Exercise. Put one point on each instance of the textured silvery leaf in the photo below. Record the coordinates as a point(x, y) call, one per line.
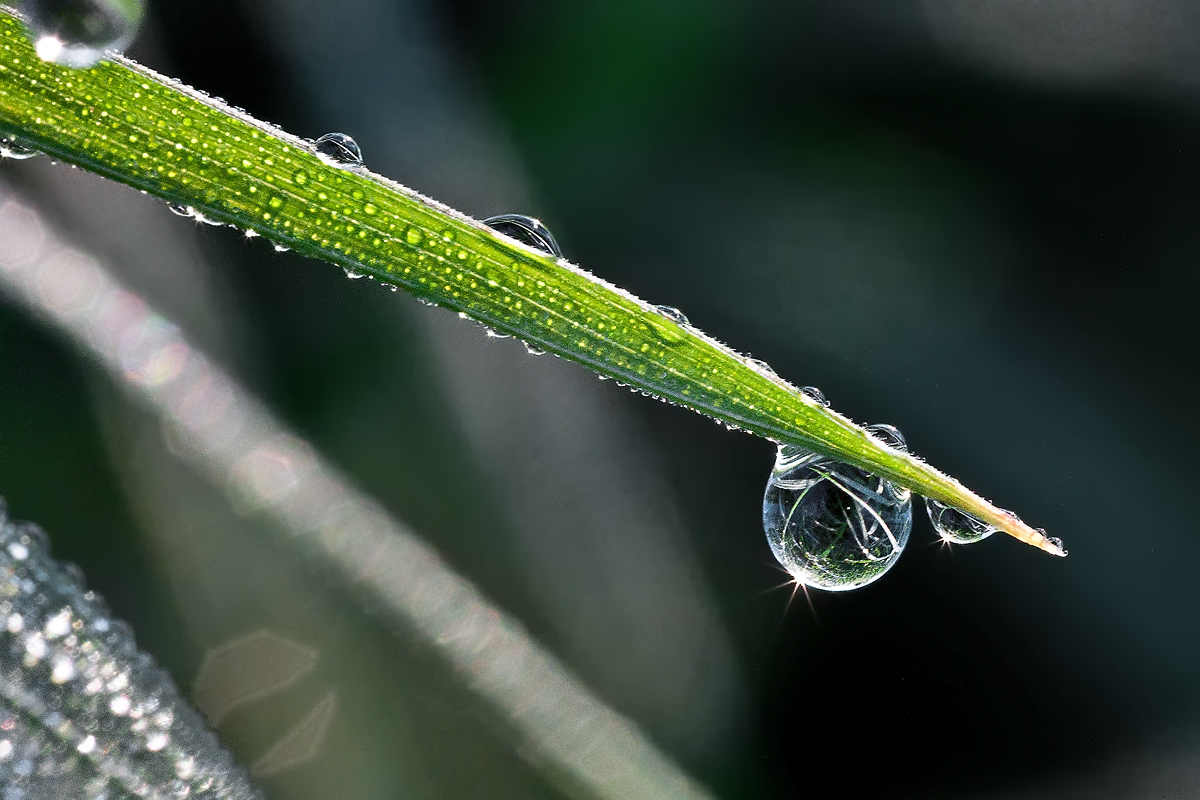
point(83, 713)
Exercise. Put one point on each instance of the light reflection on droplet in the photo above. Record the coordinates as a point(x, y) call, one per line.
point(526, 230)
point(78, 33)
point(340, 150)
point(954, 526)
point(833, 526)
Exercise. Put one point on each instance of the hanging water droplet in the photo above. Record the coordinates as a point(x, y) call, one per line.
point(494, 334)
point(340, 150)
point(352, 275)
point(181, 210)
point(16, 149)
point(525, 230)
point(833, 526)
point(673, 314)
point(77, 33)
point(815, 394)
point(954, 526)
point(1054, 540)
point(534, 351)
point(281, 248)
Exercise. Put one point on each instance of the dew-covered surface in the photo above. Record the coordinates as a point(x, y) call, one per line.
point(997, 257)
point(126, 122)
point(83, 713)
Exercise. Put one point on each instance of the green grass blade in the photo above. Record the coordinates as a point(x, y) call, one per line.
point(130, 124)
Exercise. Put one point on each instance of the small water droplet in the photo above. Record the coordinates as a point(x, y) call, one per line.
point(833, 526)
point(78, 33)
point(673, 314)
point(1057, 542)
point(181, 210)
point(525, 230)
point(16, 149)
point(340, 150)
point(815, 394)
point(954, 526)
point(281, 248)
point(534, 351)
point(352, 275)
point(493, 334)
point(761, 366)
point(889, 435)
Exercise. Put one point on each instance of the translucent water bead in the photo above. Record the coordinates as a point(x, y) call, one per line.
point(82, 712)
point(340, 150)
point(77, 33)
point(15, 149)
point(526, 230)
point(954, 526)
point(833, 526)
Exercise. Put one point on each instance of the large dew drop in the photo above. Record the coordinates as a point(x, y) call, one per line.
point(833, 526)
point(954, 526)
point(340, 150)
point(78, 33)
point(83, 713)
point(525, 230)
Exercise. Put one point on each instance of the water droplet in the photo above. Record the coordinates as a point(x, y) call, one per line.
point(281, 248)
point(352, 275)
point(16, 149)
point(181, 209)
point(954, 526)
point(673, 314)
point(340, 150)
point(1054, 540)
point(761, 366)
point(815, 394)
point(833, 526)
point(77, 33)
point(534, 351)
point(525, 230)
point(889, 435)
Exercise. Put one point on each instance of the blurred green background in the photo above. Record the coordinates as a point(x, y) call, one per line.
point(973, 221)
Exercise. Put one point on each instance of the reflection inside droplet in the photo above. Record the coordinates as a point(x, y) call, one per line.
point(833, 526)
point(815, 394)
point(77, 33)
point(340, 150)
point(673, 314)
point(15, 149)
point(954, 526)
point(525, 230)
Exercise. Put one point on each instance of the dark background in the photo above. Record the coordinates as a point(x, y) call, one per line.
point(974, 221)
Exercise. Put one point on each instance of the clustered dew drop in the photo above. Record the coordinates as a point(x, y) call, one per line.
point(78, 33)
point(339, 150)
point(83, 713)
point(526, 230)
point(16, 149)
